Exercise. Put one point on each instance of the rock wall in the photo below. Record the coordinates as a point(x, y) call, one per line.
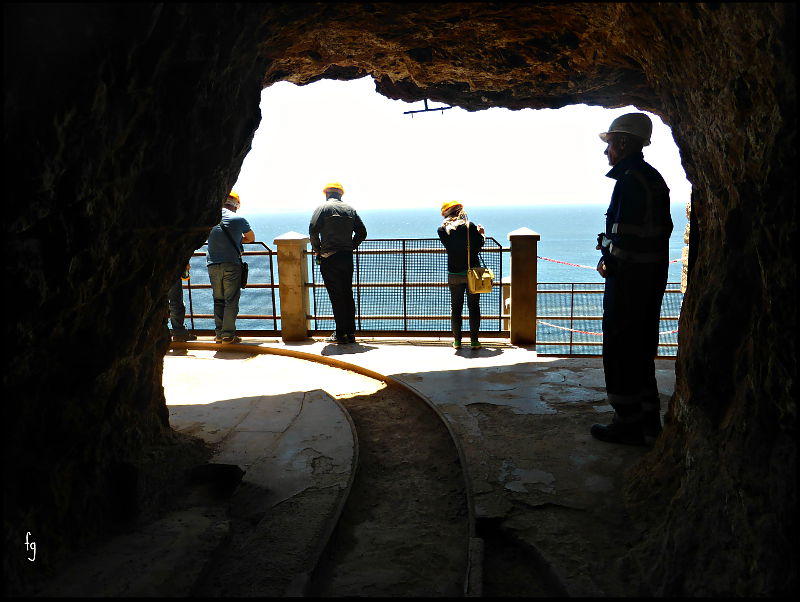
point(125, 125)
point(124, 128)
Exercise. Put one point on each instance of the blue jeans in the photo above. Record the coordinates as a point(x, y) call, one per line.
point(226, 281)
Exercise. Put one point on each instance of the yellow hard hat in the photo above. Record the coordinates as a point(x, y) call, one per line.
point(233, 195)
point(448, 205)
point(331, 185)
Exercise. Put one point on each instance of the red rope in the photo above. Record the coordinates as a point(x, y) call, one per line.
point(597, 334)
point(577, 265)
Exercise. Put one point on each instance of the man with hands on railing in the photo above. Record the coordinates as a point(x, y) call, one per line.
point(634, 263)
point(335, 231)
point(225, 267)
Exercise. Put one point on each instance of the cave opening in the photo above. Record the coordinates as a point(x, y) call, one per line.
point(538, 168)
point(348, 131)
point(160, 101)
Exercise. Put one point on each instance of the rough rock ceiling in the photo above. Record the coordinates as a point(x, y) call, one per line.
point(475, 55)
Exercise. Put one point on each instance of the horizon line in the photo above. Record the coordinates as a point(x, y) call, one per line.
point(436, 208)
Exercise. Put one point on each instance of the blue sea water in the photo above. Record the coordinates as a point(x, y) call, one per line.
point(568, 232)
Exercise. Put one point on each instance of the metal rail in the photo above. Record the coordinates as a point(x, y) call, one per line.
point(255, 269)
point(400, 289)
point(398, 281)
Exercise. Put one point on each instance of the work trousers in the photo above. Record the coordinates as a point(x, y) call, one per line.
point(226, 280)
point(458, 287)
point(337, 273)
point(631, 311)
point(177, 310)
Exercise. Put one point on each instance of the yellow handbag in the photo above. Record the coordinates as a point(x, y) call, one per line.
point(479, 279)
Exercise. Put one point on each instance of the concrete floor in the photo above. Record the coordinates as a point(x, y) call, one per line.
point(521, 422)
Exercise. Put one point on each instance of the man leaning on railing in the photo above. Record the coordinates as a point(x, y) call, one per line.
point(224, 260)
point(335, 232)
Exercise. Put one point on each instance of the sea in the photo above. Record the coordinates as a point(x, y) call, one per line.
point(566, 255)
point(568, 232)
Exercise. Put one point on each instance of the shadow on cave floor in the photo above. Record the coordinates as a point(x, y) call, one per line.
point(544, 496)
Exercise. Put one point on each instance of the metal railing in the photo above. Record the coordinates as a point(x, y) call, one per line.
point(400, 288)
point(258, 302)
point(569, 318)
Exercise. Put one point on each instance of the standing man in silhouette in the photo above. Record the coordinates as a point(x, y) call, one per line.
point(634, 263)
point(335, 231)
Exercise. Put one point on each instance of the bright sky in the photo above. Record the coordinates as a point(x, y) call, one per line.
point(333, 131)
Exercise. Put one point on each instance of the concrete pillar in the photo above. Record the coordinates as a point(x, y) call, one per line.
point(292, 278)
point(524, 251)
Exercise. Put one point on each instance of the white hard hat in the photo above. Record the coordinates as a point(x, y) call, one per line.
point(637, 124)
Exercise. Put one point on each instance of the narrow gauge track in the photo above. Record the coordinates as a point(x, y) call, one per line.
point(404, 530)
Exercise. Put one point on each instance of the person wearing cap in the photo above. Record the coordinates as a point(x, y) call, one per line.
point(453, 233)
point(224, 264)
point(335, 231)
point(634, 262)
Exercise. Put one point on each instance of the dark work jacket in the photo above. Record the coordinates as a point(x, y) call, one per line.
point(638, 222)
point(335, 226)
point(456, 245)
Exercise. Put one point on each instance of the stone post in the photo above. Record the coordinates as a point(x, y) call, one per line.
point(524, 246)
point(292, 278)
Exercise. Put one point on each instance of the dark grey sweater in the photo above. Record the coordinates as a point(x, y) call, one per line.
point(335, 226)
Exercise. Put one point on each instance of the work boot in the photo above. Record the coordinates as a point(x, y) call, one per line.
point(619, 432)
